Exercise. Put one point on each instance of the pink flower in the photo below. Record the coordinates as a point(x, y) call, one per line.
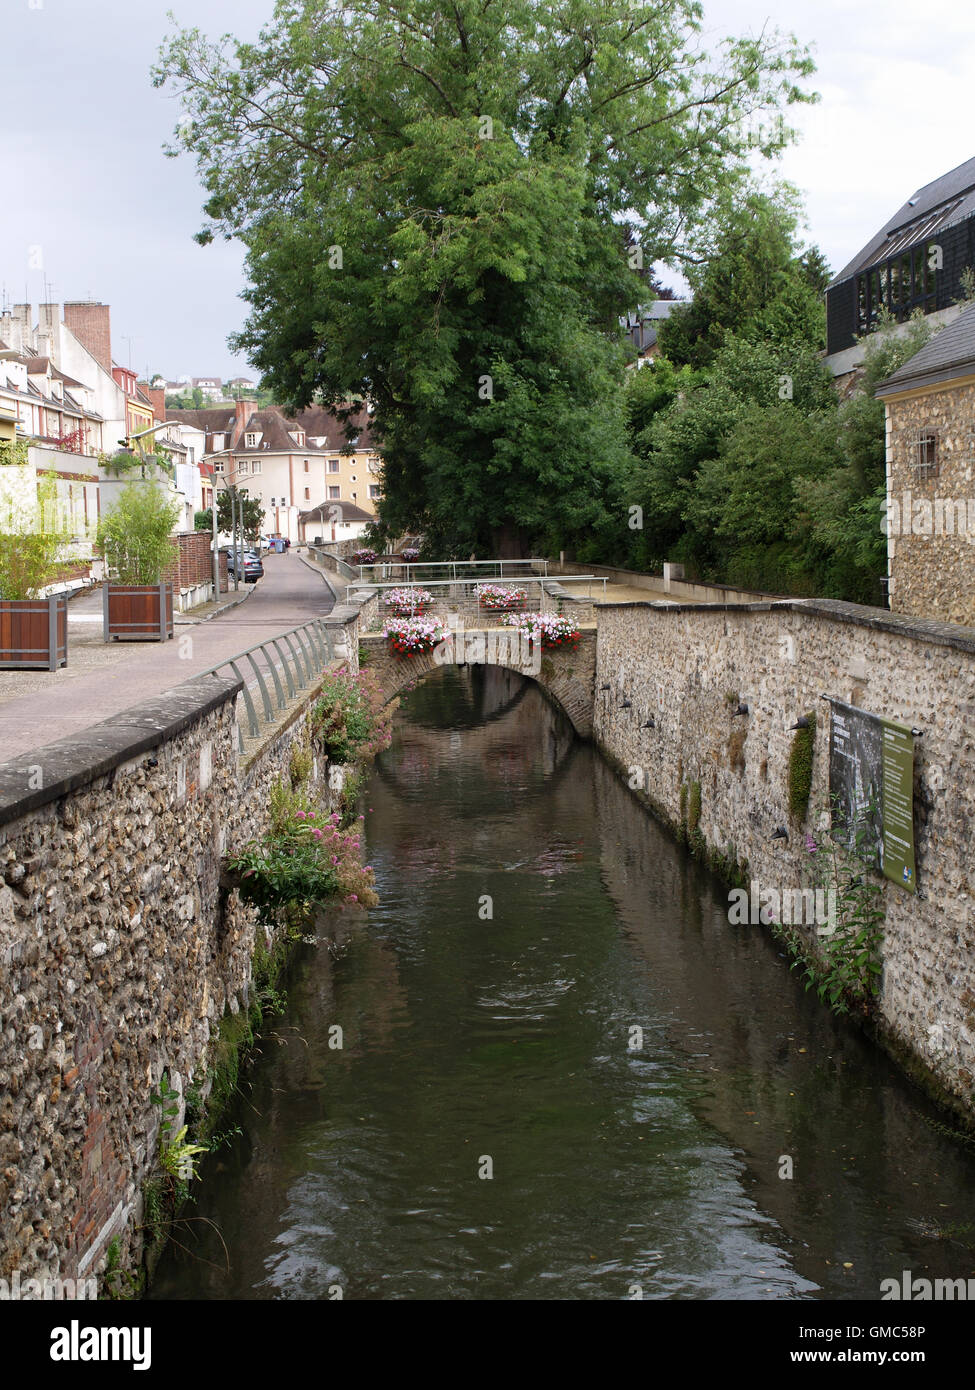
point(353, 898)
point(317, 834)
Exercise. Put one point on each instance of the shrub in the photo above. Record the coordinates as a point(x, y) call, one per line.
point(29, 549)
point(136, 535)
point(309, 859)
point(349, 720)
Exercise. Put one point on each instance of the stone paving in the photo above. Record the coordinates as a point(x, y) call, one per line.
point(103, 679)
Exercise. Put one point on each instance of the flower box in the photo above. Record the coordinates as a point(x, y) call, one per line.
point(501, 598)
point(34, 633)
point(552, 630)
point(137, 612)
point(413, 636)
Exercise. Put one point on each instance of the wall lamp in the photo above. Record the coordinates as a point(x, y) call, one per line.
point(801, 723)
point(781, 833)
point(649, 722)
point(742, 709)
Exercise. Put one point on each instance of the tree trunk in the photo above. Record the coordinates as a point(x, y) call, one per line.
point(508, 542)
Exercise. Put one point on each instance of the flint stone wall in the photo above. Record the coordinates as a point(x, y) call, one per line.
point(119, 954)
point(688, 668)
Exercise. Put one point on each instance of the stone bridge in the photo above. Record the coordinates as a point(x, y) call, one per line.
point(567, 677)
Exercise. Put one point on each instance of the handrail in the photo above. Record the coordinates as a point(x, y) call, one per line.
point(312, 645)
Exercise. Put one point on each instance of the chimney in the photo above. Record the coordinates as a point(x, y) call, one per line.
point(49, 319)
point(6, 327)
point(157, 394)
point(242, 413)
point(91, 325)
point(22, 333)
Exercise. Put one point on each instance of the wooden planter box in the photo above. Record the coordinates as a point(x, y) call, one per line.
point(138, 612)
point(34, 633)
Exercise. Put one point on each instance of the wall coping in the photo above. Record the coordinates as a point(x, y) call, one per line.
point(76, 761)
point(837, 610)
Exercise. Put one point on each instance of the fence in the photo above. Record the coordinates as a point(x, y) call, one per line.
point(310, 647)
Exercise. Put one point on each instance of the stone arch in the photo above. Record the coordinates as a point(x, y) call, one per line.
point(567, 677)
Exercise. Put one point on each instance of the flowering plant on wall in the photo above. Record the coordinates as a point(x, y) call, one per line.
point(413, 636)
point(551, 629)
point(410, 553)
point(500, 598)
point(405, 602)
point(363, 557)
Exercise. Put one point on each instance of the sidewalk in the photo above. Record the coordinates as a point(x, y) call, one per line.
point(102, 679)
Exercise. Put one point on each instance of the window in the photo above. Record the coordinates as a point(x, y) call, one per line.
point(353, 496)
point(307, 494)
point(217, 443)
point(251, 441)
point(373, 490)
point(306, 465)
point(243, 466)
point(255, 465)
point(926, 455)
point(220, 467)
point(333, 465)
point(335, 492)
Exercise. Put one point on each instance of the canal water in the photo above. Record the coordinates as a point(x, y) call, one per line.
point(564, 1075)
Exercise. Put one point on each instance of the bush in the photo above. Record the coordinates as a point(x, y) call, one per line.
point(29, 550)
point(136, 535)
point(308, 859)
point(349, 720)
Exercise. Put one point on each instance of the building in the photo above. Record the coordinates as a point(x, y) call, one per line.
point(641, 325)
point(290, 465)
point(930, 412)
point(211, 386)
point(333, 520)
point(915, 261)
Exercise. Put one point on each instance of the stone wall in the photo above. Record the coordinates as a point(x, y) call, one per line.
point(120, 953)
point(566, 677)
point(931, 520)
point(687, 669)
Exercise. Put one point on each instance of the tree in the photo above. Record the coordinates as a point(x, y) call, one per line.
point(253, 514)
point(757, 284)
point(434, 206)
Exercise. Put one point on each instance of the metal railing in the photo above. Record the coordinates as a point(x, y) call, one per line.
point(492, 569)
point(465, 597)
point(310, 647)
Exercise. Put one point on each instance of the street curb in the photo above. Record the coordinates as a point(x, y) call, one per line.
point(321, 573)
point(180, 620)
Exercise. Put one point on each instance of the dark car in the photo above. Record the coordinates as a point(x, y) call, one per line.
point(252, 570)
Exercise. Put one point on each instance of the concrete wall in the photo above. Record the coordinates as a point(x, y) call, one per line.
point(119, 954)
point(688, 667)
point(662, 586)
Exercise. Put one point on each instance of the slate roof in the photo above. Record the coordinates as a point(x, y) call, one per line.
point(350, 511)
point(941, 203)
point(949, 354)
point(317, 422)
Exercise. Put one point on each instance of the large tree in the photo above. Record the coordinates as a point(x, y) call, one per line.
point(438, 202)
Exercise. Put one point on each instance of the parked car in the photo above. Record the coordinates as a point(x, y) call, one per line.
point(252, 566)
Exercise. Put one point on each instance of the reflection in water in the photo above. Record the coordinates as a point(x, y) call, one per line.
point(531, 918)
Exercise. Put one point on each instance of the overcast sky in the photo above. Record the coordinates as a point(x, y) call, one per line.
point(88, 194)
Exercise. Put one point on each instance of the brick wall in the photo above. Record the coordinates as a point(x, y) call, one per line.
point(194, 564)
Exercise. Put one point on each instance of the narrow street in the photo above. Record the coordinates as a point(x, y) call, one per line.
point(37, 707)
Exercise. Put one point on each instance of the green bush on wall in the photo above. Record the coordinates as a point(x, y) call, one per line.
point(800, 768)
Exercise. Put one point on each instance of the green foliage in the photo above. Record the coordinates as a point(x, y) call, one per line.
point(694, 814)
point(136, 534)
point(304, 858)
point(756, 284)
point(350, 719)
point(15, 452)
point(252, 521)
point(32, 540)
point(847, 974)
point(801, 767)
point(469, 279)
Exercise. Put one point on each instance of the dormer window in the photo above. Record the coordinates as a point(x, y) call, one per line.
point(251, 441)
point(217, 443)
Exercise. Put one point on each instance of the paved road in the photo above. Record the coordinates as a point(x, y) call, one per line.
point(37, 707)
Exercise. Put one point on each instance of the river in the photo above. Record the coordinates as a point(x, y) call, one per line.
point(563, 1073)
